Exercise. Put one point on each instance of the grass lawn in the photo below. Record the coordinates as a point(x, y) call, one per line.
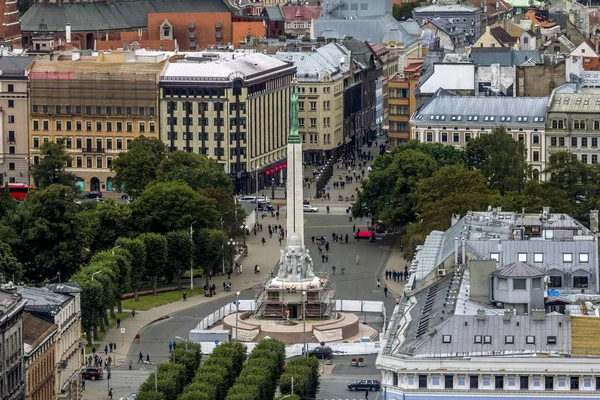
point(584, 335)
point(148, 302)
point(111, 322)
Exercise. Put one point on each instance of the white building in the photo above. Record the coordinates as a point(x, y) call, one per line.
point(454, 120)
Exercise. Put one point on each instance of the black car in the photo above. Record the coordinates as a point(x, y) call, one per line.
point(365, 384)
point(265, 207)
point(322, 352)
point(94, 194)
point(92, 373)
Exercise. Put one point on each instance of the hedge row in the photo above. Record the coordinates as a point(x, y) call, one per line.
point(305, 374)
point(217, 374)
point(258, 379)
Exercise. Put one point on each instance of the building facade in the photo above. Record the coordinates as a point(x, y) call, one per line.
point(298, 19)
point(454, 120)
point(467, 19)
point(12, 375)
point(96, 125)
point(233, 107)
point(573, 124)
point(60, 304)
point(321, 75)
point(14, 139)
point(40, 358)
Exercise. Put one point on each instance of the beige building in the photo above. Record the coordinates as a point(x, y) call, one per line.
point(95, 107)
point(14, 149)
point(232, 107)
point(321, 75)
point(39, 341)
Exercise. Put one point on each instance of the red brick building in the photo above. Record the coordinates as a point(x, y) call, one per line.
point(9, 21)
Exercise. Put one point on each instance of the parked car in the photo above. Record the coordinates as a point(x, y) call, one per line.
point(94, 194)
point(309, 208)
point(92, 373)
point(321, 352)
point(265, 207)
point(365, 384)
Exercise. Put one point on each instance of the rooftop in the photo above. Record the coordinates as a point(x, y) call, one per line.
point(122, 14)
point(520, 270)
point(15, 66)
point(42, 299)
point(301, 13)
point(64, 288)
point(82, 69)
point(273, 12)
point(564, 100)
point(504, 56)
point(35, 331)
point(331, 60)
point(222, 66)
point(452, 8)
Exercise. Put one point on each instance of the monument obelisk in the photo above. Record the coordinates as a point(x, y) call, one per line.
point(295, 197)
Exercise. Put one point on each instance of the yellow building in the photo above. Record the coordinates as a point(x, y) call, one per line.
point(402, 102)
point(497, 36)
point(95, 108)
point(39, 341)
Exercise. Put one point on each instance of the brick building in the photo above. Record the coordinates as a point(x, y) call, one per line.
point(39, 340)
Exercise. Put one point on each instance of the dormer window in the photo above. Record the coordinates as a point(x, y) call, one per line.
point(166, 30)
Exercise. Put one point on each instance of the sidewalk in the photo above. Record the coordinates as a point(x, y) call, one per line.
point(265, 256)
point(397, 263)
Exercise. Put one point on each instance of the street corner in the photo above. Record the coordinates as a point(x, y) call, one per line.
point(327, 369)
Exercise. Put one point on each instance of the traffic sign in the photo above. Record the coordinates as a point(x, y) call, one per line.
point(217, 341)
point(322, 343)
point(122, 330)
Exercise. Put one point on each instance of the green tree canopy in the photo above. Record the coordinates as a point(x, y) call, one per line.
point(138, 166)
point(179, 254)
point(51, 169)
point(137, 249)
point(105, 223)
point(208, 249)
point(198, 171)
point(10, 267)
point(156, 256)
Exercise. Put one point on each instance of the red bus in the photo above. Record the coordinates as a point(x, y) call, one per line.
point(18, 191)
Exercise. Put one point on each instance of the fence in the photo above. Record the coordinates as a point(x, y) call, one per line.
point(296, 349)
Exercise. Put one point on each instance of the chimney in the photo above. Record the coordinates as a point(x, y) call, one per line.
point(568, 316)
point(456, 250)
point(68, 33)
point(455, 219)
point(594, 221)
point(538, 315)
point(507, 315)
point(481, 315)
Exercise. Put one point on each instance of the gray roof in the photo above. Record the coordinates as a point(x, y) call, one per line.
point(482, 110)
point(452, 8)
point(274, 13)
point(42, 299)
point(411, 27)
point(15, 66)
point(104, 16)
point(313, 66)
point(568, 101)
point(64, 288)
point(505, 56)
point(520, 270)
point(373, 30)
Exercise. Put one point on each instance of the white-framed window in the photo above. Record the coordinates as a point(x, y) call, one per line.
point(446, 338)
point(519, 284)
point(522, 257)
point(584, 257)
point(538, 257)
point(502, 284)
point(477, 339)
point(509, 339)
point(530, 339)
point(495, 256)
point(487, 339)
point(567, 257)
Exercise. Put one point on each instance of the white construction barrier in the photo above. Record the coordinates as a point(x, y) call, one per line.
point(339, 349)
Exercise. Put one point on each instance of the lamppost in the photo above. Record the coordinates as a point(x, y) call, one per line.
point(244, 227)
point(183, 340)
point(97, 272)
point(237, 309)
point(304, 322)
point(192, 256)
point(231, 243)
point(222, 221)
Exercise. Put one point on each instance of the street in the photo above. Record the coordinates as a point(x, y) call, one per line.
point(335, 386)
point(358, 283)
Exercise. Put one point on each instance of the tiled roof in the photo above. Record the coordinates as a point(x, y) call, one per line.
point(300, 13)
point(520, 270)
point(15, 65)
point(502, 36)
point(35, 330)
point(104, 16)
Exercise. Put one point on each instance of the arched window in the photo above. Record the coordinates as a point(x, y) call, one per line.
point(596, 124)
point(554, 124)
point(536, 175)
point(561, 124)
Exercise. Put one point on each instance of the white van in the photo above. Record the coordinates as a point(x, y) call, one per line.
point(248, 199)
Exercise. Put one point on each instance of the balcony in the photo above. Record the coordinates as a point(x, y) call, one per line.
point(11, 140)
point(93, 150)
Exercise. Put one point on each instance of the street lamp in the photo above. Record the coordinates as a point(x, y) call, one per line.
point(192, 256)
point(155, 374)
point(231, 243)
point(97, 272)
point(304, 322)
point(183, 340)
point(237, 309)
point(244, 227)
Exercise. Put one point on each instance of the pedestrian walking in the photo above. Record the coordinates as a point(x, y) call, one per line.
point(105, 349)
point(326, 257)
point(147, 357)
point(110, 393)
point(83, 384)
point(378, 284)
point(400, 275)
point(312, 238)
point(118, 323)
point(110, 347)
point(170, 347)
point(346, 238)
point(132, 313)
point(385, 290)
point(357, 260)
point(354, 228)
point(367, 394)
point(184, 296)
point(333, 269)
point(322, 257)
point(141, 359)
point(263, 241)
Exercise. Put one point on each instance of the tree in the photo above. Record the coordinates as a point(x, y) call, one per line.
point(501, 159)
point(189, 354)
point(137, 167)
point(105, 223)
point(208, 249)
point(232, 216)
point(179, 254)
point(198, 171)
point(403, 12)
point(567, 173)
point(7, 203)
point(50, 229)
point(156, 256)
point(91, 297)
point(119, 261)
point(534, 198)
point(10, 267)
point(170, 206)
point(137, 249)
point(150, 395)
point(51, 169)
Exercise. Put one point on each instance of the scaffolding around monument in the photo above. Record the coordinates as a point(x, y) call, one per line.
point(274, 299)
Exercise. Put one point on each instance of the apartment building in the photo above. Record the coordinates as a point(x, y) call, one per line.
point(320, 76)
point(402, 102)
point(95, 108)
point(14, 148)
point(12, 376)
point(573, 123)
point(39, 341)
point(466, 18)
point(454, 120)
point(60, 304)
point(233, 107)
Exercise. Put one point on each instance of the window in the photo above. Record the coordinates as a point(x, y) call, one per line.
point(524, 382)
point(584, 142)
point(128, 109)
point(456, 137)
point(108, 126)
point(313, 122)
point(88, 125)
point(551, 340)
point(11, 104)
point(313, 106)
point(594, 142)
point(509, 339)
point(152, 127)
point(446, 338)
point(69, 125)
point(58, 125)
point(98, 162)
point(502, 284)
point(45, 124)
point(88, 162)
point(11, 149)
point(119, 127)
point(11, 166)
point(119, 144)
point(11, 87)
point(567, 257)
point(495, 256)
point(536, 156)
point(444, 137)
point(78, 143)
point(580, 281)
point(522, 257)
point(98, 126)
point(36, 125)
point(530, 339)
point(477, 339)
point(78, 110)
point(109, 144)
point(129, 127)
point(78, 125)
point(555, 281)
point(36, 143)
point(536, 283)
point(143, 127)
point(108, 162)
point(300, 106)
point(11, 119)
point(519, 284)
point(487, 339)
point(584, 257)
point(79, 162)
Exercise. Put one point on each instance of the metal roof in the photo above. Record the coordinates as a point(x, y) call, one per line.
point(313, 66)
point(15, 66)
point(373, 30)
point(274, 13)
point(42, 298)
point(482, 110)
point(575, 102)
point(520, 270)
point(91, 16)
point(452, 8)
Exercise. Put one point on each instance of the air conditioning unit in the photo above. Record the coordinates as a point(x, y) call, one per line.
point(441, 272)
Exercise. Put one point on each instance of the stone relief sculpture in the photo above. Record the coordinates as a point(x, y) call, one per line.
point(295, 263)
